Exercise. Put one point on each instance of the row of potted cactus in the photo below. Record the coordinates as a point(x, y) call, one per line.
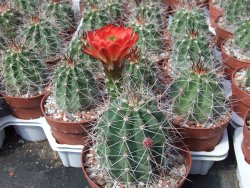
point(131, 123)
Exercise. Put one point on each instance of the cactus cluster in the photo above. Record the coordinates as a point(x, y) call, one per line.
point(197, 95)
point(62, 12)
point(188, 20)
point(132, 141)
point(23, 73)
point(43, 35)
point(74, 86)
point(26, 6)
point(242, 36)
point(236, 11)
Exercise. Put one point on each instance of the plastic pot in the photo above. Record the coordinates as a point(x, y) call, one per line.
point(201, 139)
point(215, 12)
point(183, 149)
point(240, 99)
point(246, 140)
point(221, 34)
point(231, 63)
point(25, 108)
point(68, 132)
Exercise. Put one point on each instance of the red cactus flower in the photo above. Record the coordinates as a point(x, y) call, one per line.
point(111, 44)
point(148, 142)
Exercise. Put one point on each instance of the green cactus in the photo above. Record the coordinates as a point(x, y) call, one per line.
point(75, 86)
point(131, 141)
point(248, 78)
point(26, 6)
point(23, 73)
point(186, 20)
point(197, 95)
point(43, 35)
point(61, 10)
point(96, 14)
point(236, 11)
point(191, 48)
point(242, 36)
point(9, 21)
point(75, 48)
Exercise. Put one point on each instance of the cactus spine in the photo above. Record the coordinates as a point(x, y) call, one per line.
point(22, 72)
point(131, 142)
point(74, 86)
point(242, 36)
point(197, 95)
point(43, 35)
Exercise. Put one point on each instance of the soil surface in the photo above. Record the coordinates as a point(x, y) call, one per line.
point(26, 164)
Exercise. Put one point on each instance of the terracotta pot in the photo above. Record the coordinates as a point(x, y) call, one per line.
point(177, 3)
point(246, 140)
point(25, 108)
point(202, 139)
point(231, 63)
point(240, 100)
point(215, 12)
point(221, 33)
point(183, 149)
point(68, 132)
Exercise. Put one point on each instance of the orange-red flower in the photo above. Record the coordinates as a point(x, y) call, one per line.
point(111, 44)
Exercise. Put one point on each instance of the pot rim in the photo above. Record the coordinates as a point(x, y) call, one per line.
point(33, 97)
point(184, 149)
point(57, 121)
point(218, 26)
point(223, 50)
point(233, 80)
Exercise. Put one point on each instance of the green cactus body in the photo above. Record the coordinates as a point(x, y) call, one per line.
point(191, 48)
point(22, 72)
point(197, 96)
point(248, 78)
point(242, 36)
point(143, 73)
point(62, 12)
point(44, 36)
point(75, 86)
point(186, 20)
point(132, 141)
point(9, 21)
point(75, 49)
point(150, 35)
point(26, 6)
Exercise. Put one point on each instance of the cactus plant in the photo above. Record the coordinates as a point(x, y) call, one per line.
point(131, 141)
point(74, 86)
point(186, 20)
point(191, 48)
point(9, 21)
point(26, 6)
point(23, 73)
point(43, 35)
point(63, 13)
point(197, 95)
point(242, 36)
point(248, 77)
point(236, 11)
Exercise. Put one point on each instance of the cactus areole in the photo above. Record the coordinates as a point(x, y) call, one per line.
point(112, 46)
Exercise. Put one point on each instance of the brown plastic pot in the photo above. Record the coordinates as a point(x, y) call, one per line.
point(231, 63)
point(201, 139)
point(177, 3)
point(25, 108)
point(246, 140)
point(215, 12)
point(68, 132)
point(240, 99)
point(183, 149)
point(221, 33)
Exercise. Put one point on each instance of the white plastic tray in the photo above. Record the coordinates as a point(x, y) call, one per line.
point(28, 129)
point(243, 168)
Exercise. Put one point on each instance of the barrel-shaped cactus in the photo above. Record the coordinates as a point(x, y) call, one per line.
point(62, 11)
point(74, 86)
point(191, 48)
point(43, 35)
point(186, 20)
point(236, 11)
point(197, 95)
point(131, 141)
point(26, 6)
point(23, 73)
point(9, 20)
point(242, 36)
